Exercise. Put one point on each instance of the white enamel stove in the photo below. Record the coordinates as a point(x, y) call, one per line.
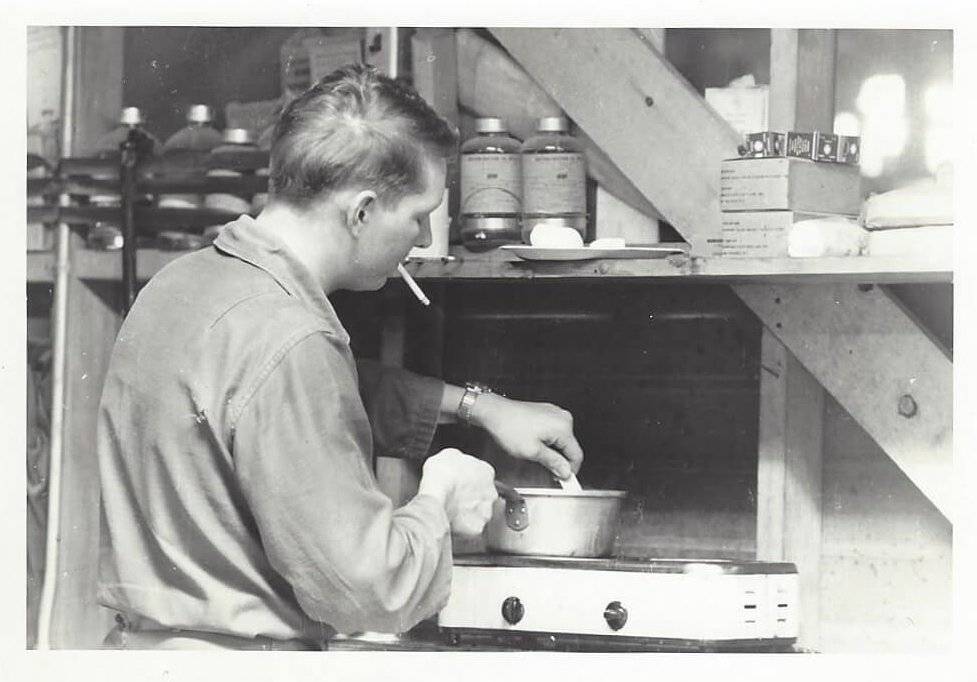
point(609, 604)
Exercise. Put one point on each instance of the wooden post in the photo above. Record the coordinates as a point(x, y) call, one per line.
point(789, 474)
point(78, 621)
point(802, 68)
point(790, 462)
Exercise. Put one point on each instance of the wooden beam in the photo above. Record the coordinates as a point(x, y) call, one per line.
point(77, 620)
point(434, 65)
point(492, 84)
point(802, 67)
point(635, 105)
point(873, 358)
point(789, 474)
point(613, 84)
point(99, 86)
point(434, 61)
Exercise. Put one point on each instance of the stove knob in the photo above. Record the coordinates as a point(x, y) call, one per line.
point(513, 610)
point(615, 615)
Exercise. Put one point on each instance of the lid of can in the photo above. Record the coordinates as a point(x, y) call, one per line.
point(130, 116)
point(199, 113)
point(553, 124)
point(490, 125)
point(237, 136)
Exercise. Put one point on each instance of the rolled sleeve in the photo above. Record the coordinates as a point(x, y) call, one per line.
point(403, 409)
point(302, 448)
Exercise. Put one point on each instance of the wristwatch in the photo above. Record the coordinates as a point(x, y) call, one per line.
point(472, 391)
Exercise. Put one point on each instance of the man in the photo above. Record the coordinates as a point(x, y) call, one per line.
point(236, 432)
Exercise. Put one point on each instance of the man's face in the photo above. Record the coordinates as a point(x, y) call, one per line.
point(392, 230)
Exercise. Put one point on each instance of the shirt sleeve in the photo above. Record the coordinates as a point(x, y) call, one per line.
point(403, 409)
point(302, 453)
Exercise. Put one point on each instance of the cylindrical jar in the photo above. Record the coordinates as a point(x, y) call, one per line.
point(554, 178)
point(491, 187)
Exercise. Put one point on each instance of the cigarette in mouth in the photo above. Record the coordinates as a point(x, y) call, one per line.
point(412, 285)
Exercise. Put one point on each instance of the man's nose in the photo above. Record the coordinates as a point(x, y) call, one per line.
point(424, 236)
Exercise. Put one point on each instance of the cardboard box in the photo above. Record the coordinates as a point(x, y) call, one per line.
point(743, 108)
point(758, 234)
point(785, 184)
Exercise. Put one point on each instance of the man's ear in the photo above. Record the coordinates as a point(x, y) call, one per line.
point(360, 210)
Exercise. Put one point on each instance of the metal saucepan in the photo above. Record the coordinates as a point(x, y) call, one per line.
point(554, 522)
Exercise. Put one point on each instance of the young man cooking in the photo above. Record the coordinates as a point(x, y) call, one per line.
point(236, 432)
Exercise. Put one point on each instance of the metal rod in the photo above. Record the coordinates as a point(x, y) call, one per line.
point(58, 368)
point(127, 174)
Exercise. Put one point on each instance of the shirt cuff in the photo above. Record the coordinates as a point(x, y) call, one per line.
point(425, 413)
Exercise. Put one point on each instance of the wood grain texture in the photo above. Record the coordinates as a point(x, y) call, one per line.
point(802, 67)
point(789, 474)
point(636, 106)
point(492, 84)
point(98, 90)
point(868, 353)
point(78, 621)
point(96, 265)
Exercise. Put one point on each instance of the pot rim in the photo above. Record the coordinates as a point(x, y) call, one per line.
point(560, 492)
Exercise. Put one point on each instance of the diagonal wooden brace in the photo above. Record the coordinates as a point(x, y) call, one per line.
point(860, 345)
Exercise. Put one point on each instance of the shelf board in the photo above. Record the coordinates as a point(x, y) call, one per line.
point(881, 270)
point(501, 265)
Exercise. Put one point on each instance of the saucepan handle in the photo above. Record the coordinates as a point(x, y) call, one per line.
point(516, 512)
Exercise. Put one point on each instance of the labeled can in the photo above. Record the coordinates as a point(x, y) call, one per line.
point(800, 145)
point(849, 148)
point(763, 145)
point(491, 187)
point(554, 179)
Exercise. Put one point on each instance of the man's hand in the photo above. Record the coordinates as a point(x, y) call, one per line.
point(464, 485)
point(538, 432)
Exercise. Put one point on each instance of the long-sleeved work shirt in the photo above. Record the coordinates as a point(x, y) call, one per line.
point(235, 443)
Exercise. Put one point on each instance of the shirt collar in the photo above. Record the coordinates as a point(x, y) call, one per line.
point(246, 240)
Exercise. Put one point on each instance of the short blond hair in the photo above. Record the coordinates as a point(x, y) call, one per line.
point(355, 127)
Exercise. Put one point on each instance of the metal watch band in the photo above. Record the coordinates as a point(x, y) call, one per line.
point(472, 391)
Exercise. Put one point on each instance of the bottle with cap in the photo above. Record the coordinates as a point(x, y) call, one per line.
point(130, 119)
point(554, 179)
point(491, 187)
point(109, 146)
point(234, 140)
point(198, 135)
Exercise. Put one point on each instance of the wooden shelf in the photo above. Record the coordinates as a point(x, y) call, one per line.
point(499, 265)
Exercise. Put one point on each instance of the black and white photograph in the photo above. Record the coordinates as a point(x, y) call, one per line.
point(593, 344)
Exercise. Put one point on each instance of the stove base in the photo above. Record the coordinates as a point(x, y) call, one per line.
point(464, 638)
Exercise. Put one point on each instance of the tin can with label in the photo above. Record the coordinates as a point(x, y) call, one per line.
point(765, 144)
point(849, 148)
point(800, 145)
point(826, 147)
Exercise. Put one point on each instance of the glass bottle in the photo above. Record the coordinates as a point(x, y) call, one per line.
point(554, 178)
point(491, 187)
point(199, 135)
point(107, 146)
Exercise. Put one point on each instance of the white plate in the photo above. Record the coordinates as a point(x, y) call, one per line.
point(587, 253)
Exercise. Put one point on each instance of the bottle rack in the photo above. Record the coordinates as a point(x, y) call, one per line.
point(68, 198)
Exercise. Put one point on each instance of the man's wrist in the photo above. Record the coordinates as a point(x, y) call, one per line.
point(483, 407)
point(474, 393)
